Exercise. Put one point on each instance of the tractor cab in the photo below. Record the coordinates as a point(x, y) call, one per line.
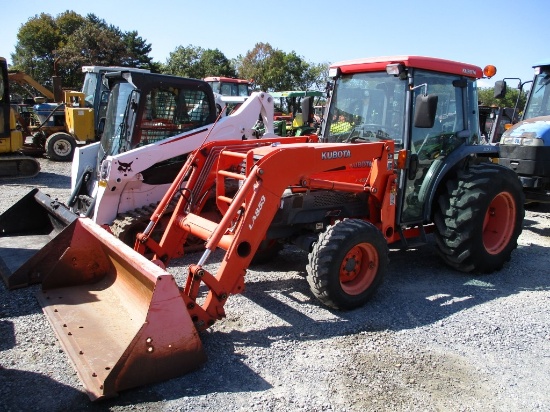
point(428, 107)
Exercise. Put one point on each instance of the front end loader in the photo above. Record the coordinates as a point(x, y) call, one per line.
point(411, 165)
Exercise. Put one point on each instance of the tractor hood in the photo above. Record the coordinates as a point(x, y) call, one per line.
point(524, 132)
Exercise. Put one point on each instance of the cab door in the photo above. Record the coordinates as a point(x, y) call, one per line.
point(430, 146)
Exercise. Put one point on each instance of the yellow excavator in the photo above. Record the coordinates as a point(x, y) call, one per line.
point(13, 163)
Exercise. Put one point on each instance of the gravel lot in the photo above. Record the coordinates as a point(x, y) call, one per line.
point(432, 339)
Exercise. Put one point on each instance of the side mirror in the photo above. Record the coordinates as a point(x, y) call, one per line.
point(425, 109)
point(500, 89)
point(307, 110)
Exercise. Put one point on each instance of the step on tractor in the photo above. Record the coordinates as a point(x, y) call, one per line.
point(13, 162)
point(525, 146)
point(410, 165)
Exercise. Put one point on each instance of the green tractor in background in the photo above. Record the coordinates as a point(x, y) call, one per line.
point(288, 120)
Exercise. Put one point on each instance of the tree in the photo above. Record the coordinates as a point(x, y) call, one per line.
point(486, 98)
point(275, 70)
point(36, 40)
point(90, 45)
point(197, 63)
point(184, 61)
point(257, 64)
point(214, 63)
point(138, 51)
point(68, 41)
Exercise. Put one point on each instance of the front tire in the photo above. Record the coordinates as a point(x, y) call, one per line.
point(479, 218)
point(60, 146)
point(347, 264)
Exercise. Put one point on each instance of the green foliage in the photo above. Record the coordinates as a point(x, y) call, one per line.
point(198, 63)
point(486, 98)
point(61, 45)
point(275, 70)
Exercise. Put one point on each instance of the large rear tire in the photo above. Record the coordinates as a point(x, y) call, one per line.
point(347, 264)
point(60, 146)
point(479, 218)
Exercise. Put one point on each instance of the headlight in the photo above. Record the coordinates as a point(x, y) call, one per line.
point(530, 141)
point(526, 139)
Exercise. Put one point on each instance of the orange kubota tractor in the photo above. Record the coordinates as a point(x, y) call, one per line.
point(410, 164)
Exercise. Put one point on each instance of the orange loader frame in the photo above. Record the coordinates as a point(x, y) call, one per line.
point(122, 318)
point(247, 215)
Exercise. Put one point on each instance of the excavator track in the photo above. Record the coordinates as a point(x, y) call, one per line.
point(18, 167)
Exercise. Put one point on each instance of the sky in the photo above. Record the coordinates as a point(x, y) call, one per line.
point(511, 35)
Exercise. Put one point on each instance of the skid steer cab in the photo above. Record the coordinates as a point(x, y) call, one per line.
point(407, 163)
point(149, 126)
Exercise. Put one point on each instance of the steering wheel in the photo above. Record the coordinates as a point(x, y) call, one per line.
point(374, 131)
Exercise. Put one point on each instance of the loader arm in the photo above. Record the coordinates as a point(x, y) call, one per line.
point(24, 80)
point(251, 210)
point(195, 182)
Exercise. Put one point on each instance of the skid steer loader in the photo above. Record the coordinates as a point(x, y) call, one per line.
point(151, 123)
point(412, 164)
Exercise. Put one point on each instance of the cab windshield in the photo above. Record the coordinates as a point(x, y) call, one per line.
point(230, 88)
point(539, 100)
point(114, 118)
point(89, 88)
point(366, 107)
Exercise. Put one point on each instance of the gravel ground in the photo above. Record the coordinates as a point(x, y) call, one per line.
point(431, 339)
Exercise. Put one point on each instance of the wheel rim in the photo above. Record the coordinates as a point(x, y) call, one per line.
point(499, 222)
point(359, 268)
point(62, 148)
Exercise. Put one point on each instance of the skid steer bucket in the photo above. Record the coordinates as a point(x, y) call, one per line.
point(121, 319)
point(26, 232)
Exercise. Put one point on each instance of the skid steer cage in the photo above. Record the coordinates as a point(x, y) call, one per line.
point(31, 230)
point(121, 319)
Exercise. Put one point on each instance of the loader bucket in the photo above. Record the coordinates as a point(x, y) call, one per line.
point(26, 232)
point(121, 319)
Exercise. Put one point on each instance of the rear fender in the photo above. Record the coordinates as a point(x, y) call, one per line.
point(440, 168)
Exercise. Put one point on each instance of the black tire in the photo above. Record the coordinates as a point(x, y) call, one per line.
point(60, 146)
point(349, 242)
point(479, 218)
